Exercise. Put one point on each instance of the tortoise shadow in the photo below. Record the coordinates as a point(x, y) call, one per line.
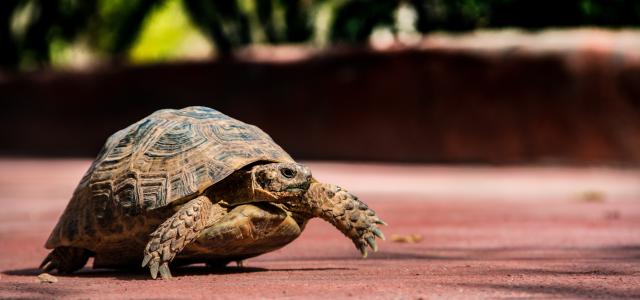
point(139, 274)
point(629, 253)
point(143, 274)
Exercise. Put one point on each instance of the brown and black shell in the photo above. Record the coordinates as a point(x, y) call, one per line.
point(169, 156)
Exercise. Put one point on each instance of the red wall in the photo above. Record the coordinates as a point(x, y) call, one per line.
point(410, 105)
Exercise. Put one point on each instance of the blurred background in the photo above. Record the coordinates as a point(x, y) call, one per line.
point(500, 139)
point(428, 81)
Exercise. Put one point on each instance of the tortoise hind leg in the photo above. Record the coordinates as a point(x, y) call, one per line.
point(174, 234)
point(65, 259)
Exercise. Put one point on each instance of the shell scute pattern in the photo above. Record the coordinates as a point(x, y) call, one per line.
point(152, 190)
point(233, 132)
point(172, 154)
point(198, 112)
point(176, 140)
point(125, 142)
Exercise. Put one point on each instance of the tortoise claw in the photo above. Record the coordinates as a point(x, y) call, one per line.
point(363, 250)
point(46, 262)
point(372, 243)
point(378, 233)
point(165, 273)
point(146, 260)
point(50, 267)
point(153, 268)
point(65, 260)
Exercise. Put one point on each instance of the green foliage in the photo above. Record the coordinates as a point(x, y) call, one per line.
point(355, 20)
point(231, 24)
point(453, 15)
point(117, 23)
point(35, 32)
point(168, 33)
point(31, 30)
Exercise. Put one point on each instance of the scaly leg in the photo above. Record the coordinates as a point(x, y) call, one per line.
point(342, 209)
point(174, 234)
point(65, 259)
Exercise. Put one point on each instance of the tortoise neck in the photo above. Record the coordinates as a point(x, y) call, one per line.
point(239, 188)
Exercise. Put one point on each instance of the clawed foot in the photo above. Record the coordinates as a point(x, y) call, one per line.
point(173, 235)
point(65, 260)
point(157, 256)
point(350, 215)
point(364, 229)
point(368, 238)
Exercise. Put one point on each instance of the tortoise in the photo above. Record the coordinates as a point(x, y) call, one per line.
point(196, 186)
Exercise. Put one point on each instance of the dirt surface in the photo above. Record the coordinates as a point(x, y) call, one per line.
point(486, 233)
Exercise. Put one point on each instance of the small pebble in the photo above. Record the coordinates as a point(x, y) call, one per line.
point(47, 278)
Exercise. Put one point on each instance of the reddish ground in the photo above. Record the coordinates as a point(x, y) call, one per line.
point(488, 233)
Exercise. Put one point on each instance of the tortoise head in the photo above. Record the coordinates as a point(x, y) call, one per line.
point(277, 181)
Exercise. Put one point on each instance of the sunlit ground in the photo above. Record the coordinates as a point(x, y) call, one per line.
point(58, 177)
point(454, 232)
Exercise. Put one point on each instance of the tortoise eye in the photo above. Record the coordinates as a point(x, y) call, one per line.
point(286, 172)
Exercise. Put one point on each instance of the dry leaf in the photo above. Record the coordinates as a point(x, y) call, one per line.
point(409, 239)
point(592, 197)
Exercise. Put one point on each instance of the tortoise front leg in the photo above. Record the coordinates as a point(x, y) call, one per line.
point(174, 234)
point(344, 211)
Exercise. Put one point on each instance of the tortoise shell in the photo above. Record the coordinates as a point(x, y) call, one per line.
point(167, 157)
point(175, 154)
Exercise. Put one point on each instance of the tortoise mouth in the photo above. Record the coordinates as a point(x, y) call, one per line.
point(296, 190)
point(301, 188)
